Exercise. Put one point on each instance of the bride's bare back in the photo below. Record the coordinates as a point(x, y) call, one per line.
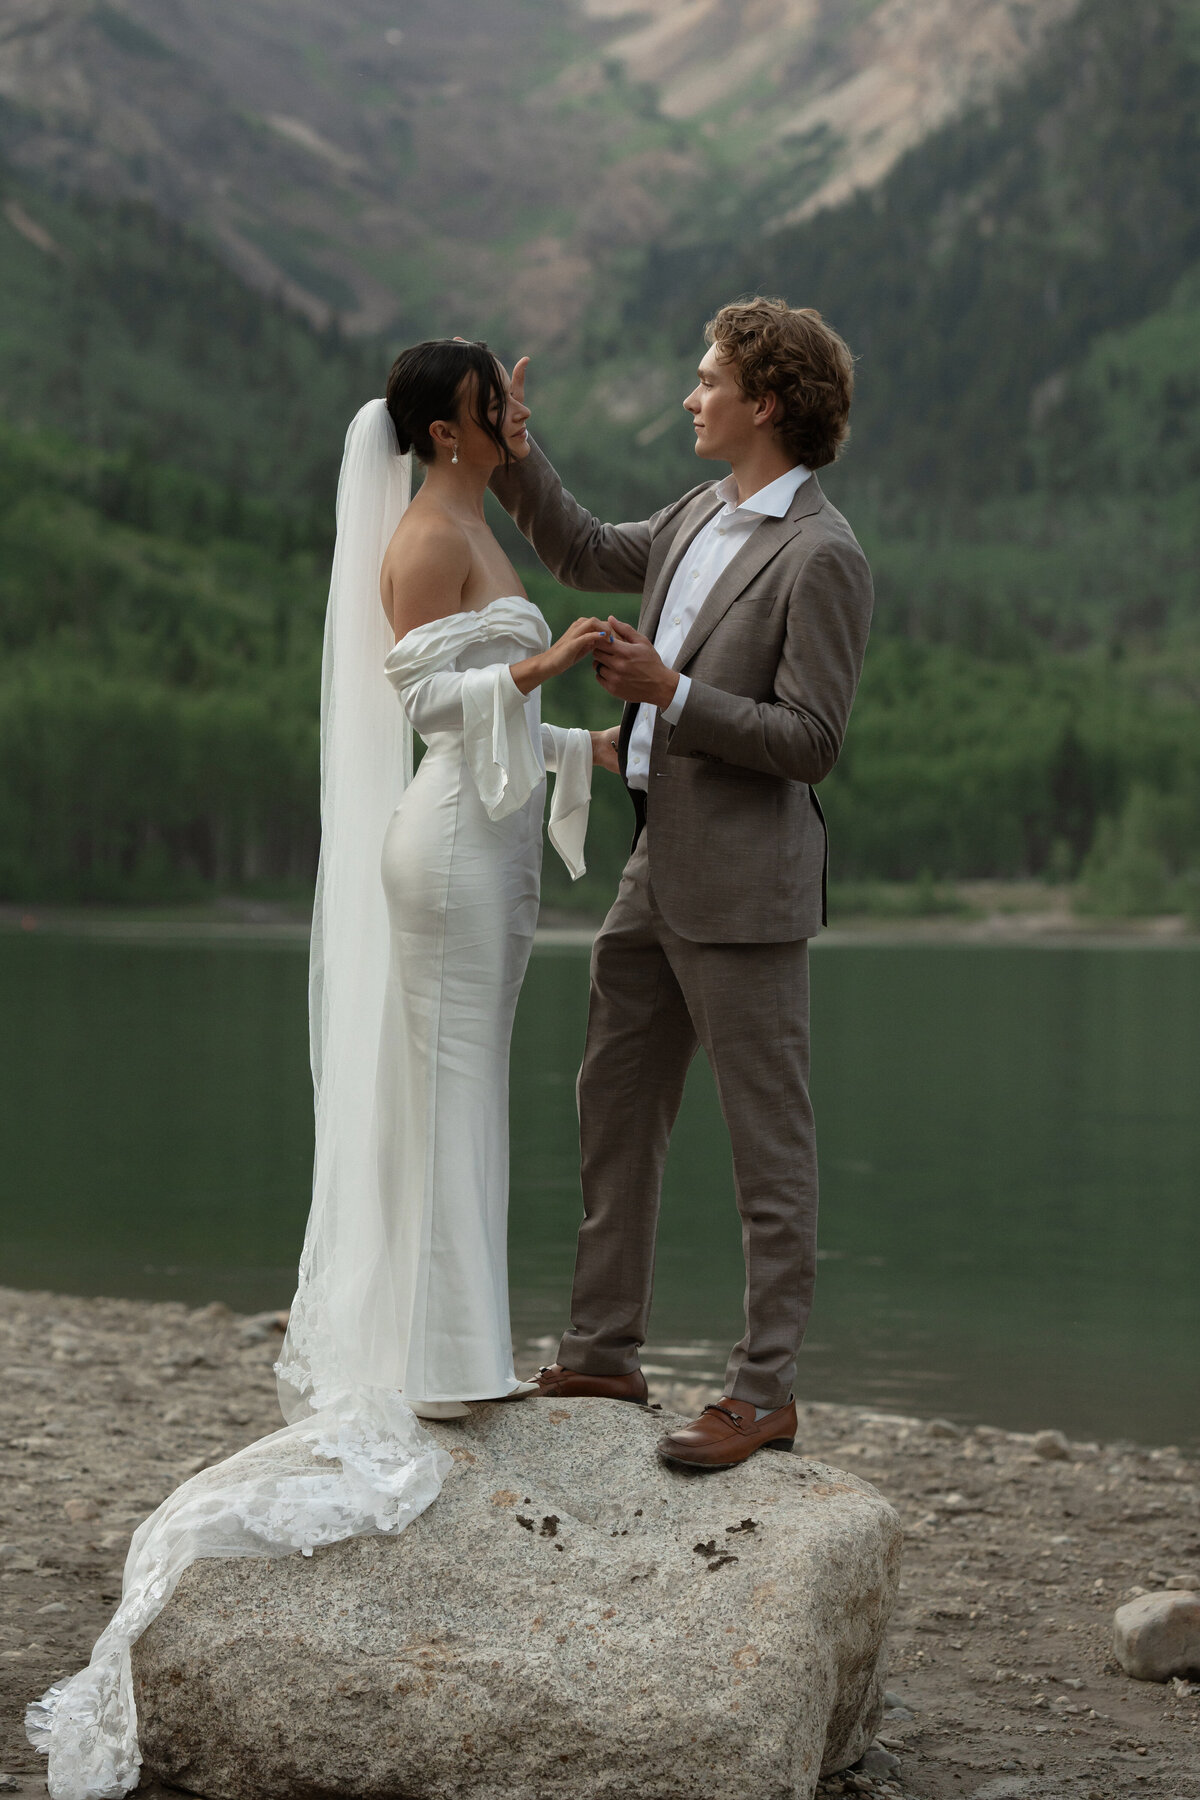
point(441, 562)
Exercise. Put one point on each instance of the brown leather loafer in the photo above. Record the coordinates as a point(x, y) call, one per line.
point(557, 1383)
point(729, 1433)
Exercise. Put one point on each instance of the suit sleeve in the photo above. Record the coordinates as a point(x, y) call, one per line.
point(576, 547)
point(798, 733)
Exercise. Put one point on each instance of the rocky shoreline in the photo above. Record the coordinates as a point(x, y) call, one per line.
point(991, 913)
point(1018, 1549)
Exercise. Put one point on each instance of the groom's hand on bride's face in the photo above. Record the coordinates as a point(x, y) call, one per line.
point(629, 667)
point(516, 384)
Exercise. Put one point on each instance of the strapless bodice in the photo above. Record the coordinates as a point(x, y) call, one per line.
point(470, 640)
point(452, 678)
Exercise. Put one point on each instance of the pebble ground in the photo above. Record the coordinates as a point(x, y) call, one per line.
point(1001, 1679)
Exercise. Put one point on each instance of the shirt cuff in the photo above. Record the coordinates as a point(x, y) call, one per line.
point(671, 714)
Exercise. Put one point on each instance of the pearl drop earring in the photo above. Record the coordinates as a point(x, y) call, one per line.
point(454, 458)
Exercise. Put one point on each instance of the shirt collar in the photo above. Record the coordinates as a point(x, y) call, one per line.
point(774, 501)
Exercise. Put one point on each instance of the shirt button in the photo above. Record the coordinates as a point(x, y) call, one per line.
point(675, 619)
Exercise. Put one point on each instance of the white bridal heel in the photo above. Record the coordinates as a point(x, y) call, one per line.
point(459, 1409)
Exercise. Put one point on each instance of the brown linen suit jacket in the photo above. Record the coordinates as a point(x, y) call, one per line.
point(736, 836)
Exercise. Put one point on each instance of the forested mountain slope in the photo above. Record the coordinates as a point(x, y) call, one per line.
point(1025, 472)
point(120, 331)
point(479, 165)
point(974, 280)
point(1023, 295)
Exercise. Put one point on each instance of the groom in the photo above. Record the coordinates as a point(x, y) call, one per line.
point(756, 602)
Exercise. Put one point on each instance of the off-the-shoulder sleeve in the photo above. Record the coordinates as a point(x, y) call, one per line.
point(569, 754)
point(497, 743)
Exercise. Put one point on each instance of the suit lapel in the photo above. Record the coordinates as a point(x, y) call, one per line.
point(764, 542)
point(691, 521)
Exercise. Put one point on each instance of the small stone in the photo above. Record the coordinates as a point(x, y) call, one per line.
point(891, 1701)
point(1185, 1690)
point(9, 1785)
point(54, 1606)
point(1183, 1584)
point(258, 1327)
point(942, 1428)
point(215, 1313)
point(1158, 1635)
point(81, 1509)
point(1052, 1446)
point(879, 1763)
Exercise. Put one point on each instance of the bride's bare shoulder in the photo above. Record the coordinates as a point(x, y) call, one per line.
point(425, 569)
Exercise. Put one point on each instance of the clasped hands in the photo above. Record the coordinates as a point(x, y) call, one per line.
point(629, 668)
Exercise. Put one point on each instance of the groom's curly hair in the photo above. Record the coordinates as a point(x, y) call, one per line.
point(792, 353)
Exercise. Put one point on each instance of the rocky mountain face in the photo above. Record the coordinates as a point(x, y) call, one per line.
point(836, 92)
point(480, 164)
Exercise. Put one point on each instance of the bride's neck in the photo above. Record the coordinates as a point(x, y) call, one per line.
point(458, 489)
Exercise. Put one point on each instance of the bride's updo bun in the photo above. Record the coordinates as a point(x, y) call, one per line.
point(426, 384)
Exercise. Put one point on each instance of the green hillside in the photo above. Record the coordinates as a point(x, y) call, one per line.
point(1023, 295)
point(158, 727)
point(120, 332)
point(975, 278)
point(1025, 474)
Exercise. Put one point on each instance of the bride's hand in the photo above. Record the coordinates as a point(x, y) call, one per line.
point(580, 639)
point(604, 750)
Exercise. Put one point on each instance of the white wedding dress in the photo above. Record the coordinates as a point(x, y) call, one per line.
point(461, 870)
point(403, 1291)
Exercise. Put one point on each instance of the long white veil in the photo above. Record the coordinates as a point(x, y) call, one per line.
point(352, 1458)
point(342, 1303)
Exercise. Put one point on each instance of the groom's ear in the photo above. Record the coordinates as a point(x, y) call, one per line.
point(767, 409)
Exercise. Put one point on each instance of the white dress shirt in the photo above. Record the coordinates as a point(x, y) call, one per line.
point(707, 556)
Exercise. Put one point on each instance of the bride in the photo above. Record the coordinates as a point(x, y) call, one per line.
point(461, 868)
point(402, 1302)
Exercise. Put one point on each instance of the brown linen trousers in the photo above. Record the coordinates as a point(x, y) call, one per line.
point(706, 942)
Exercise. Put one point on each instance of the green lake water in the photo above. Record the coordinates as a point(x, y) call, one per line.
point(1010, 1157)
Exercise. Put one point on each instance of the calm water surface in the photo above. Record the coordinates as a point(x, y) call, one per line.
point(1010, 1147)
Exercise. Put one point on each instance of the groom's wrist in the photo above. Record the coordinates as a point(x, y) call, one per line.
point(667, 687)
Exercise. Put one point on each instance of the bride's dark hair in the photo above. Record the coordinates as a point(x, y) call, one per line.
point(425, 384)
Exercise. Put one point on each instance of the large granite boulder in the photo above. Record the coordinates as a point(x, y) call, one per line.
point(570, 1620)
